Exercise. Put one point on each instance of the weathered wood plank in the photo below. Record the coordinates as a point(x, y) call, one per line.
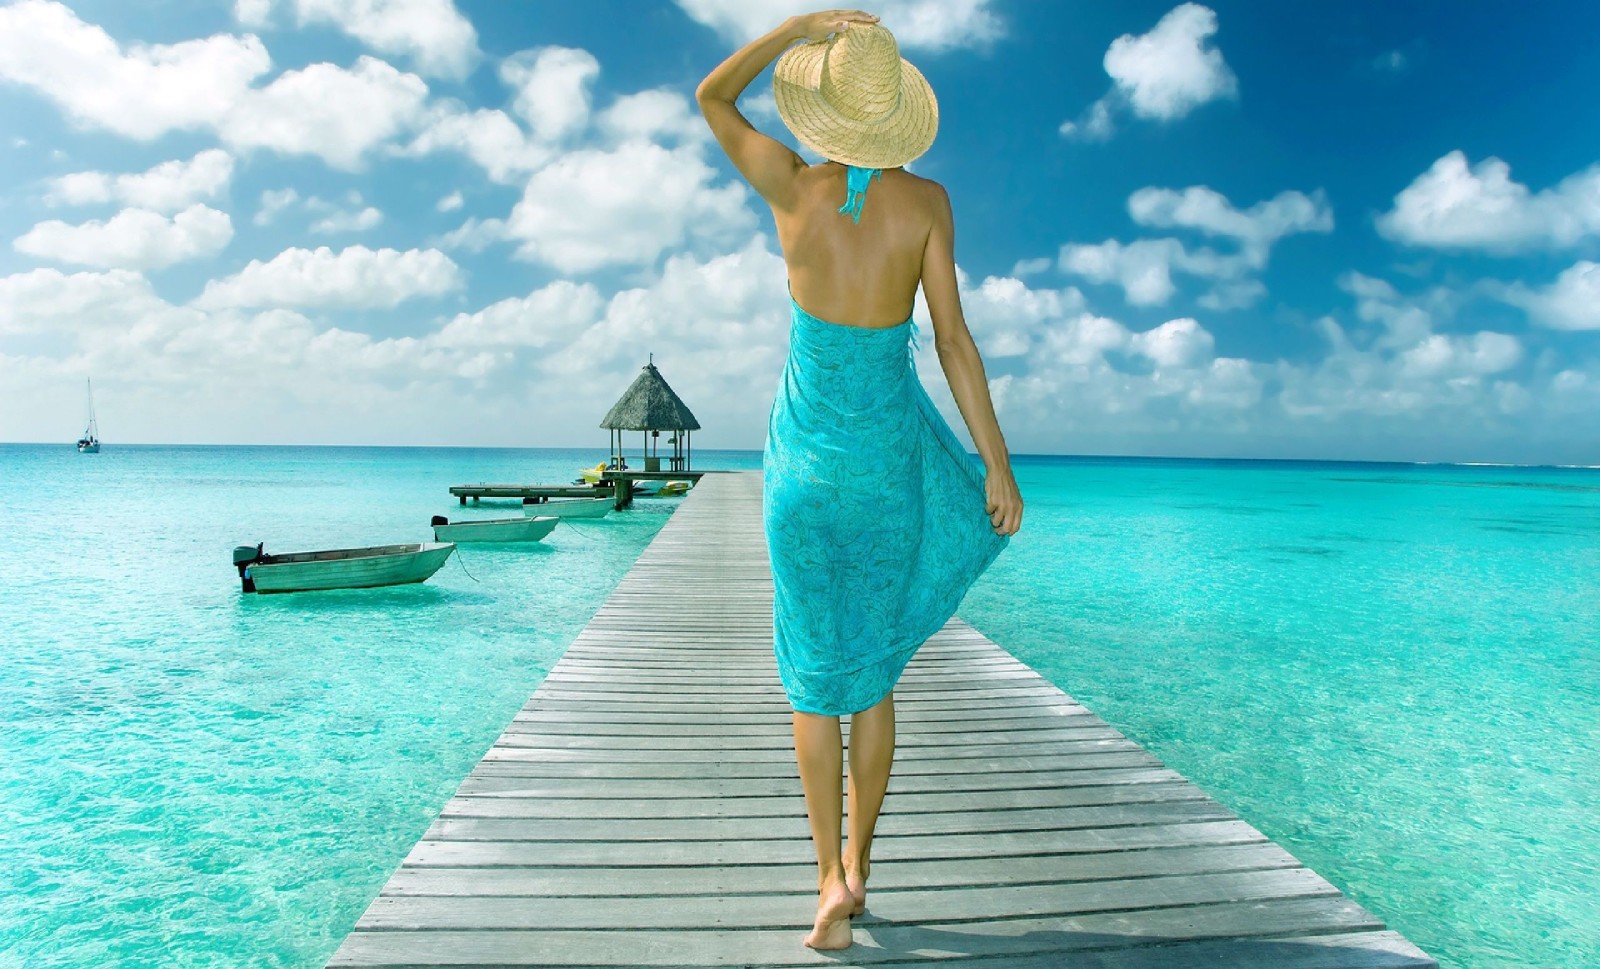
point(783, 806)
point(1042, 769)
point(610, 780)
point(650, 908)
point(798, 850)
point(878, 943)
point(719, 746)
point(622, 830)
point(937, 873)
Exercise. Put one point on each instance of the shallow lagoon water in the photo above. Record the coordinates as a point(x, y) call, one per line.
point(1391, 670)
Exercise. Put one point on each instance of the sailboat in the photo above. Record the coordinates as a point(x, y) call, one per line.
point(89, 443)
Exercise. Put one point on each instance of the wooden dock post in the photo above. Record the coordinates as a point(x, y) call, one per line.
point(643, 810)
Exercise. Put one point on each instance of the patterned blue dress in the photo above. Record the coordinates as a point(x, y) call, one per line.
point(874, 512)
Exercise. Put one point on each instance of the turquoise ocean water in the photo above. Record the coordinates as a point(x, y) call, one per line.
point(1391, 670)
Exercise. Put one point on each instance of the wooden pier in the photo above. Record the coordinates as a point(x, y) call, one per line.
point(617, 484)
point(643, 809)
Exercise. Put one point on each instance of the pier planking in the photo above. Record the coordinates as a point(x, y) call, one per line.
point(643, 809)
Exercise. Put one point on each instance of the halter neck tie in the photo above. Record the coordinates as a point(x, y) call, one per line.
point(855, 182)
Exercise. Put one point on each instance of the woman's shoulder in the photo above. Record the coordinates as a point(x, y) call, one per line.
point(928, 197)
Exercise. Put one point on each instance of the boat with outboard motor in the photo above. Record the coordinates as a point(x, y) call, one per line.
point(339, 568)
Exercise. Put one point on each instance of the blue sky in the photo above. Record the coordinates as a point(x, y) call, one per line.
point(1360, 230)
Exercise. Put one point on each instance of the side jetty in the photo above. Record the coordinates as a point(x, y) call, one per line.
point(617, 484)
point(643, 809)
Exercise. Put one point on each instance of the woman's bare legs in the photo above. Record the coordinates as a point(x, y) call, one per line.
point(820, 755)
point(871, 757)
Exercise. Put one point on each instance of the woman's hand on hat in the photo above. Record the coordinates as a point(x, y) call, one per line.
point(820, 25)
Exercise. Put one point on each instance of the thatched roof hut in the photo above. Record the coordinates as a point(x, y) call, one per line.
point(650, 405)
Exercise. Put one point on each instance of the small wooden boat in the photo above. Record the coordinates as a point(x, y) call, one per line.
point(673, 488)
point(494, 529)
point(567, 507)
point(339, 568)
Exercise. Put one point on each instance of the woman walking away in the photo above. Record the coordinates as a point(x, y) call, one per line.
point(877, 519)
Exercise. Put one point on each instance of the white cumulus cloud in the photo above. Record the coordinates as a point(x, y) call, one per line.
point(353, 220)
point(656, 115)
point(253, 13)
point(552, 315)
point(473, 235)
point(1404, 367)
point(168, 187)
point(1144, 268)
point(551, 88)
point(352, 277)
point(489, 137)
point(274, 201)
point(1572, 302)
point(1206, 210)
point(1161, 75)
point(1444, 355)
point(1456, 205)
point(431, 33)
point(142, 91)
point(336, 114)
point(48, 299)
point(1172, 70)
point(1176, 343)
point(626, 206)
point(131, 239)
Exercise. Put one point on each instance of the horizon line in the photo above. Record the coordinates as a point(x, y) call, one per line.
point(1015, 454)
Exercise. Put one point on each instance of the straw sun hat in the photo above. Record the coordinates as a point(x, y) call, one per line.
point(854, 99)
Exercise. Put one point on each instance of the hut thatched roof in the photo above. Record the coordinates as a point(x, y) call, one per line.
point(650, 405)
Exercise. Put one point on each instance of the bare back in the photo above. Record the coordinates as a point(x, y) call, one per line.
point(862, 274)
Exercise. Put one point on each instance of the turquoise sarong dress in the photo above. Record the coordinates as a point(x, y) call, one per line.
point(874, 512)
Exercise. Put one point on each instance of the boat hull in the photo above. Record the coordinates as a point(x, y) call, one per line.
point(364, 568)
point(569, 508)
point(496, 530)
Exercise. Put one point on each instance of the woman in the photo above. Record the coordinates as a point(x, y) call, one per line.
point(877, 519)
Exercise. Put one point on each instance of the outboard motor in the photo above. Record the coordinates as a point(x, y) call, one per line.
point(440, 520)
point(245, 556)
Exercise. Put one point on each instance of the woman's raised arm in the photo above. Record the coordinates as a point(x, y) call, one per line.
point(963, 368)
point(766, 163)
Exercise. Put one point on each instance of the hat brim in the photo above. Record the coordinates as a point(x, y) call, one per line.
point(897, 140)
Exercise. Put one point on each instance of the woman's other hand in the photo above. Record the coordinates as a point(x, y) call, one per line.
point(817, 26)
point(1003, 501)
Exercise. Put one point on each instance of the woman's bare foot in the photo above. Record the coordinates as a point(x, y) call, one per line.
point(855, 879)
point(832, 928)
